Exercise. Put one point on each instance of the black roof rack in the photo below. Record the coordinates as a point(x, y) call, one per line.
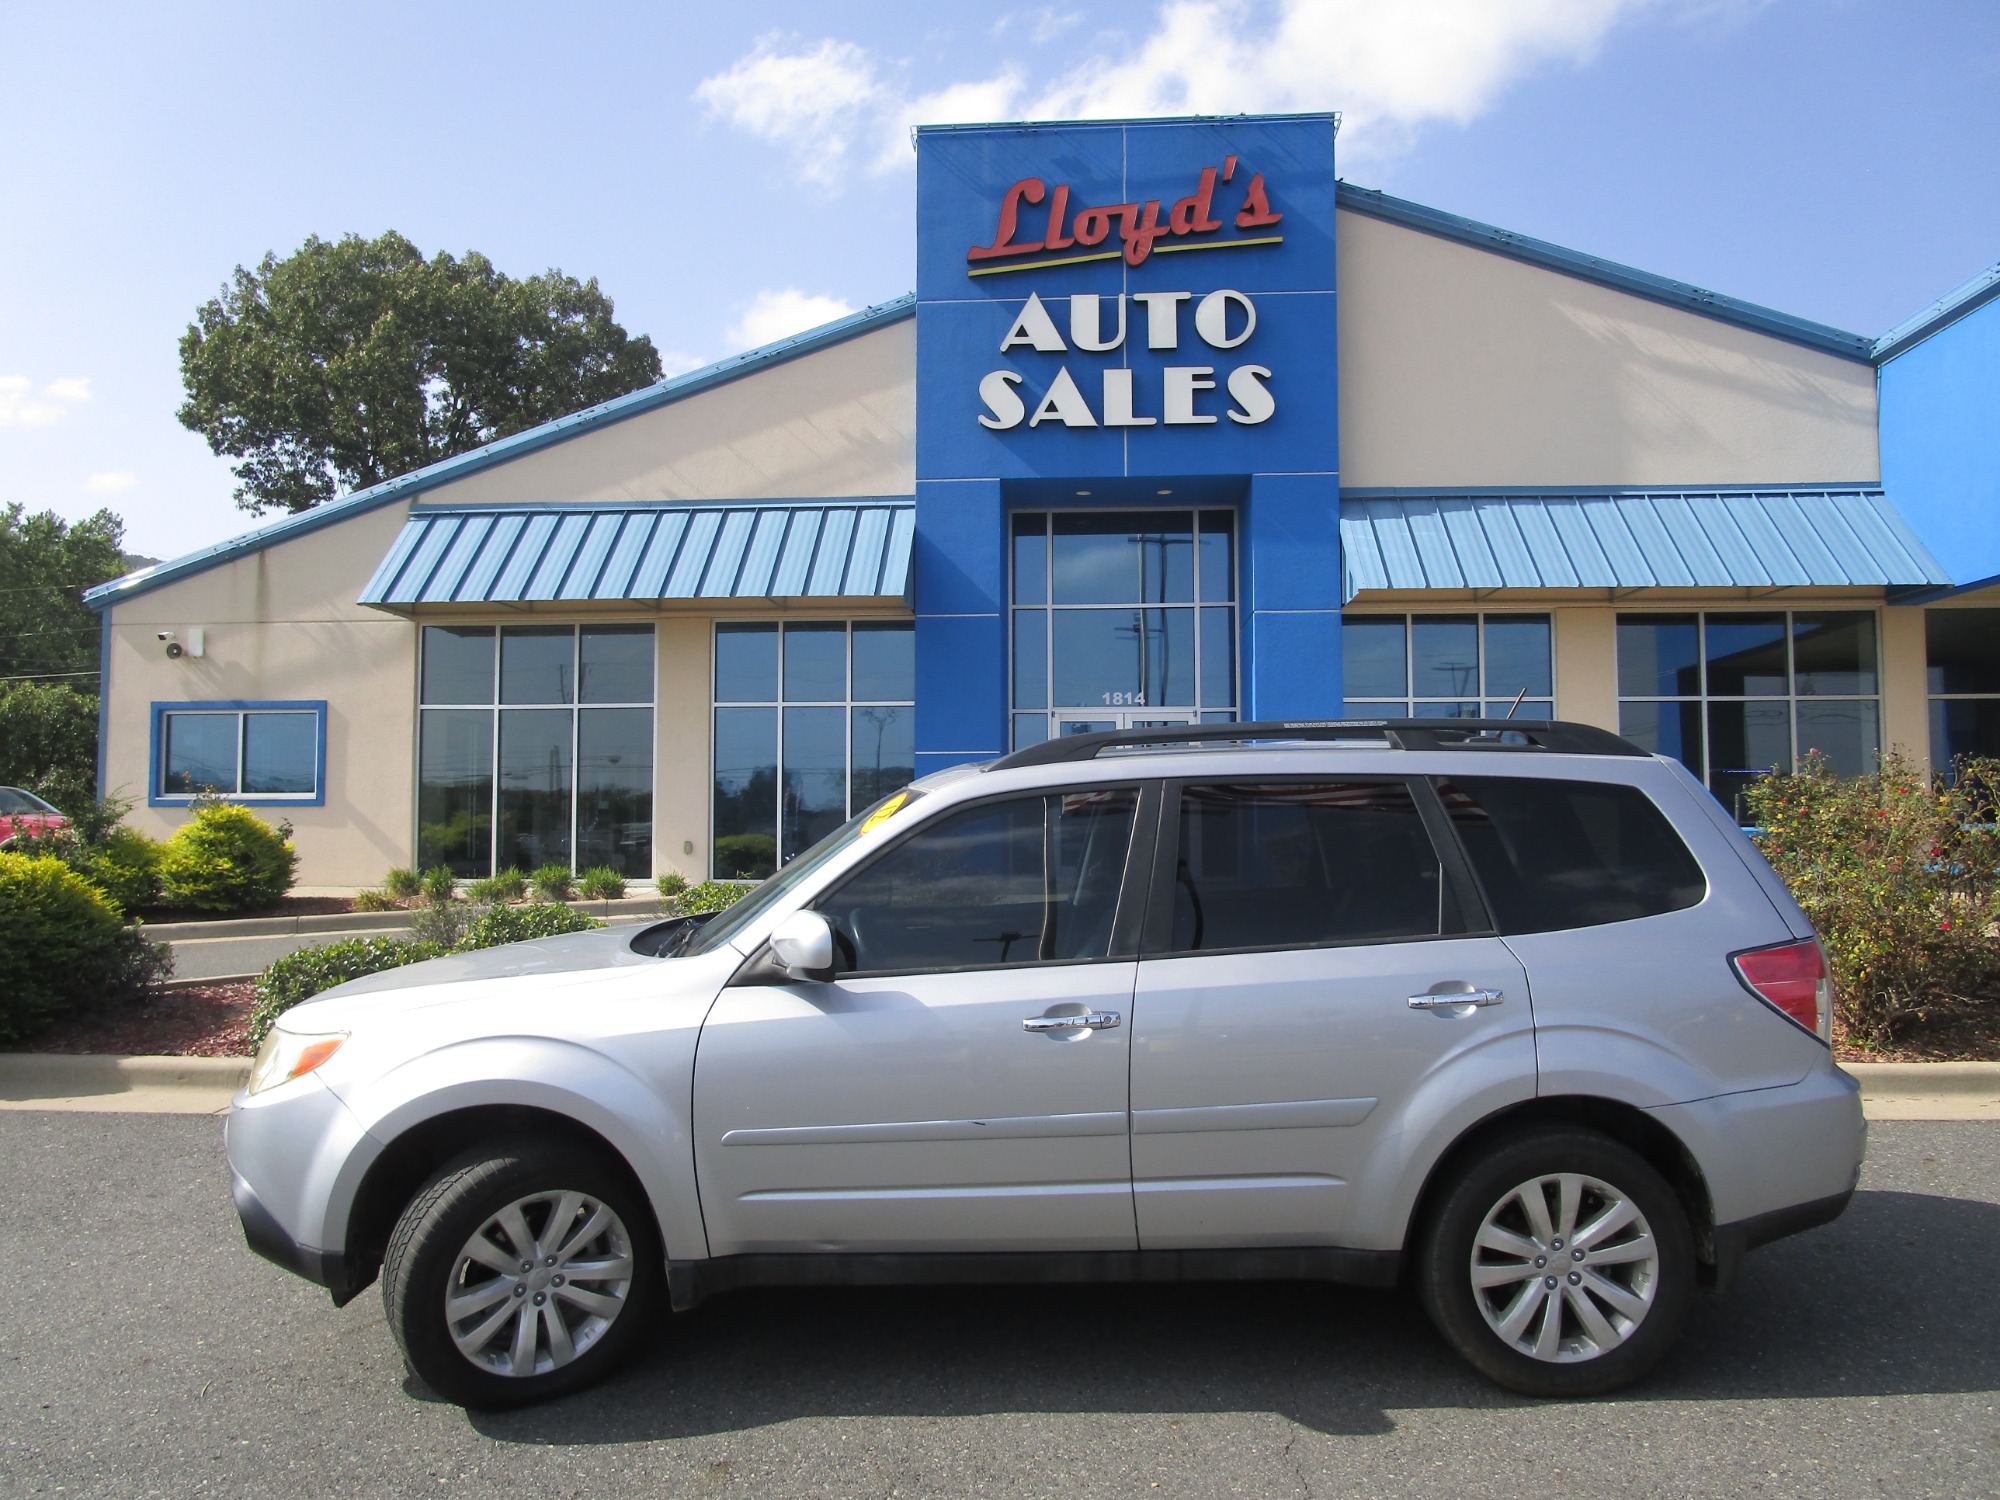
point(1556, 735)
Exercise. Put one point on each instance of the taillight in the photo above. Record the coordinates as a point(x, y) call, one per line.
point(1793, 978)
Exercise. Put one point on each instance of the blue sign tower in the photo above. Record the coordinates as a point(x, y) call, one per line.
point(1127, 428)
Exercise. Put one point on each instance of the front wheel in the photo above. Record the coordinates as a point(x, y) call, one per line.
point(1560, 1263)
point(520, 1272)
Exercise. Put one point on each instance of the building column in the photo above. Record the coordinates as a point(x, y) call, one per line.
point(1290, 612)
point(683, 700)
point(1906, 708)
point(961, 609)
point(1586, 678)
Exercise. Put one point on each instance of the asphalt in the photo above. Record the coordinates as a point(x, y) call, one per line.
point(145, 1352)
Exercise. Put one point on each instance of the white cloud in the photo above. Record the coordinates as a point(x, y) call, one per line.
point(773, 315)
point(110, 482)
point(19, 407)
point(678, 362)
point(1390, 66)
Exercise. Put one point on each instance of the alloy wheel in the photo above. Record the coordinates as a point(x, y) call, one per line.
point(1564, 1268)
point(539, 1283)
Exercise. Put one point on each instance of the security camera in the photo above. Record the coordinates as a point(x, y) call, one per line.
point(163, 635)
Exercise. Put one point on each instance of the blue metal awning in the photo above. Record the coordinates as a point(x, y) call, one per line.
point(1645, 539)
point(857, 548)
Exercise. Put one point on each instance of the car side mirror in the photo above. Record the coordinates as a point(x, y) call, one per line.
point(803, 946)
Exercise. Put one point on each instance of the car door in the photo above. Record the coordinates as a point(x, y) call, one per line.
point(962, 1083)
point(1314, 978)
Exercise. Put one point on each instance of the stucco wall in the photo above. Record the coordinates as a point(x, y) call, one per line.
point(281, 623)
point(1461, 367)
point(840, 421)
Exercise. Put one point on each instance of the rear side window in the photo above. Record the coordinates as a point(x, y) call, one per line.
point(1301, 865)
point(1555, 854)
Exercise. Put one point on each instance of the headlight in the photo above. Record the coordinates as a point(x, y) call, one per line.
point(286, 1055)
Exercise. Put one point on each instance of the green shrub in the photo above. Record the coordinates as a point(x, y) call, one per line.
point(714, 895)
point(377, 900)
point(601, 883)
point(442, 923)
point(509, 885)
point(515, 924)
point(401, 884)
point(297, 977)
point(226, 858)
point(439, 885)
point(672, 883)
point(65, 944)
point(553, 882)
point(1900, 876)
point(125, 865)
point(750, 856)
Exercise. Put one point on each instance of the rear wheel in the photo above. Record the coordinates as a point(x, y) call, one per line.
point(520, 1272)
point(1559, 1263)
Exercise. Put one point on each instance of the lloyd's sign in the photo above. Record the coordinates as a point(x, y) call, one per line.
point(1149, 297)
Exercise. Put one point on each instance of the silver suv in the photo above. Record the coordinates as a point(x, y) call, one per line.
point(1506, 1012)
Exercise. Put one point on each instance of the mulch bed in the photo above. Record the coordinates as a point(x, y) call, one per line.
point(208, 1020)
point(286, 906)
point(1968, 1031)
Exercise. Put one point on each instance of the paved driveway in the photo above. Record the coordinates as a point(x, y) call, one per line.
point(143, 1351)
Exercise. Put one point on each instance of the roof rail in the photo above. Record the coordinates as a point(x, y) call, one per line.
point(1555, 735)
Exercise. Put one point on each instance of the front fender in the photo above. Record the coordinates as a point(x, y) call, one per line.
point(648, 1128)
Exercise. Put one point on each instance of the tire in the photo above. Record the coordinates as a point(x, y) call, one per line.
point(1620, 1298)
point(577, 1326)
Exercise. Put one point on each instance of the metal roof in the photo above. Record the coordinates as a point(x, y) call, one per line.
point(849, 548)
point(1961, 301)
point(1636, 539)
point(408, 486)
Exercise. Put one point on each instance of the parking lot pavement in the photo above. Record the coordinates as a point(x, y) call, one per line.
point(146, 1352)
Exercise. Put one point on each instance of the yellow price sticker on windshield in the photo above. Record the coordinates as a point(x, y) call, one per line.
point(885, 812)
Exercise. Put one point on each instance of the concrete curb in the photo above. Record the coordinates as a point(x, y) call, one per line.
point(1927, 1080)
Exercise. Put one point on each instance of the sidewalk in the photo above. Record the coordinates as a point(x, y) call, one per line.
point(203, 1086)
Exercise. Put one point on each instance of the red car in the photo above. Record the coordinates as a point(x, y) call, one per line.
point(23, 812)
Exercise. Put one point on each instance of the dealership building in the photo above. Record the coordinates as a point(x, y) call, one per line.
point(1176, 427)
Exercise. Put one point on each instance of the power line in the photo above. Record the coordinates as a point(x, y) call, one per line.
point(43, 676)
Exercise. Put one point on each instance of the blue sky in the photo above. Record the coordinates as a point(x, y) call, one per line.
point(731, 173)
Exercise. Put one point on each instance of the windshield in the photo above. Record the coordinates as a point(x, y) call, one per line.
point(712, 935)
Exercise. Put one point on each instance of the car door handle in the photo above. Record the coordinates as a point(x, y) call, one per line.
point(1453, 999)
point(1094, 1020)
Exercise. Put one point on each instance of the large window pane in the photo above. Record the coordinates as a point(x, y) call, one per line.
point(1444, 656)
point(1218, 561)
point(1845, 733)
point(884, 752)
point(1464, 709)
point(1518, 656)
point(1659, 656)
point(1124, 557)
point(1031, 559)
point(814, 796)
point(455, 790)
point(1372, 660)
point(1964, 650)
point(885, 662)
point(538, 664)
point(1218, 658)
point(746, 663)
point(816, 662)
point(1746, 656)
point(1834, 653)
point(1746, 741)
point(1034, 880)
point(617, 664)
point(199, 753)
point(1117, 657)
point(1289, 865)
point(458, 664)
point(1031, 658)
point(1964, 727)
point(535, 783)
point(280, 753)
point(614, 790)
point(1665, 729)
point(746, 791)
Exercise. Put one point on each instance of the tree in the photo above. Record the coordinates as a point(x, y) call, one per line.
point(48, 741)
point(350, 362)
point(46, 630)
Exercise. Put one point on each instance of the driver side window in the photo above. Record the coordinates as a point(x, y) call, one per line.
point(1026, 881)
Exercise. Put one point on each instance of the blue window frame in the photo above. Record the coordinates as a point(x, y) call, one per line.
point(250, 752)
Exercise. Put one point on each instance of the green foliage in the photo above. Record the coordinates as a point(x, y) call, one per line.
point(226, 858)
point(442, 923)
point(45, 565)
point(515, 924)
point(749, 856)
point(48, 741)
point(438, 885)
point(375, 900)
point(401, 884)
point(297, 977)
point(553, 882)
point(461, 836)
point(353, 361)
point(601, 883)
point(672, 883)
point(509, 885)
point(714, 895)
point(1900, 875)
point(65, 946)
point(121, 862)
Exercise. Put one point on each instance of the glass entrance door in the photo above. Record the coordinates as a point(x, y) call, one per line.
point(1090, 721)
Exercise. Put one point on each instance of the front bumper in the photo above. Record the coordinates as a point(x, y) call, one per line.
point(296, 1156)
point(264, 1234)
